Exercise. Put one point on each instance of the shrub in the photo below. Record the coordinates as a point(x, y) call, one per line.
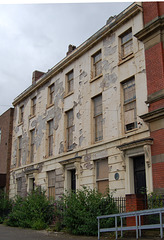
point(80, 211)
point(5, 206)
point(35, 211)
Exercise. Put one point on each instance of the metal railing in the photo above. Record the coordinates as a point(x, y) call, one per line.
point(137, 227)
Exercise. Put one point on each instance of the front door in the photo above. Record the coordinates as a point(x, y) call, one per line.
point(139, 174)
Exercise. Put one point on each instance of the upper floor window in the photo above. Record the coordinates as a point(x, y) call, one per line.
point(32, 144)
point(102, 172)
point(50, 137)
point(33, 106)
point(130, 115)
point(69, 81)
point(19, 151)
point(51, 90)
point(69, 129)
point(97, 64)
point(126, 44)
point(98, 118)
point(21, 114)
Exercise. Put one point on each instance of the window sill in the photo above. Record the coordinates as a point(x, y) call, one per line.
point(32, 116)
point(50, 105)
point(127, 58)
point(19, 124)
point(132, 130)
point(95, 78)
point(68, 94)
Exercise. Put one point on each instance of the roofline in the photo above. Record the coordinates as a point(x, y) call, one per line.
point(127, 13)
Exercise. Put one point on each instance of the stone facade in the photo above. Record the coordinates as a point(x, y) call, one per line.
point(99, 68)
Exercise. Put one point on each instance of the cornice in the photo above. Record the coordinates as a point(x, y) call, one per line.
point(120, 19)
point(154, 115)
point(134, 144)
point(154, 26)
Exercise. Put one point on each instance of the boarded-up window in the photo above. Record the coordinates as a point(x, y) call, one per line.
point(70, 81)
point(33, 106)
point(32, 144)
point(50, 138)
point(69, 129)
point(126, 44)
point(51, 90)
point(98, 118)
point(97, 64)
point(130, 116)
point(19, 151)
point(19, 185)
point(51, 184)
point(102, 172)
point(31, 184)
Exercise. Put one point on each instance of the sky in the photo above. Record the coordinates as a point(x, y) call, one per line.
point(35, 36)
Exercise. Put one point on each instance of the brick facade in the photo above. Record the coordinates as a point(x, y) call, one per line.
point(152, 36)
point(6, 125)
point(152, 10)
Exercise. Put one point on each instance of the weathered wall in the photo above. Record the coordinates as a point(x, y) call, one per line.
point(109, 84)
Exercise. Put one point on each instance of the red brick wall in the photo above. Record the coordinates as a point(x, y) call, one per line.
point(155, 68)
point(6, 124)
point(152, 10)
point(158, 176)
point(158, 142)
point(156, 105)
point(134, 203)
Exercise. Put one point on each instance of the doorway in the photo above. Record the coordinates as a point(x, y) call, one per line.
point(139, 174)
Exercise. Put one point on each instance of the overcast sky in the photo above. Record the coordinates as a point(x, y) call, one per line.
point(36, 37)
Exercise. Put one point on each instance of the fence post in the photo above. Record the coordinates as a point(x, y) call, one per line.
point(136, 226)
point(116, 227)
point(98, 229)
point(161, 227)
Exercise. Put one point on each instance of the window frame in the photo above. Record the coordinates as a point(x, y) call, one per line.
point(129, 104)
point(95, 72)
point(104, 179)
point(51, 91)
point(33, 106)
point(124, 44)
point(50, 136)
point(21, 114)
point(19, 151)
point(97, 120)
point(19, 185)
point(32, 145)
point(69, 129)
point(70, 82)
point(51, 186)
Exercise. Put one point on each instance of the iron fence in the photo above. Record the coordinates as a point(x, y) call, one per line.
point(120, 203)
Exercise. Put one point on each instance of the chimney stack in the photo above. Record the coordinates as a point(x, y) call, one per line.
point(70, 49)
point(36, 75)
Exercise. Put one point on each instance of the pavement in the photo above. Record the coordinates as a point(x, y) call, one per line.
point(12, 233)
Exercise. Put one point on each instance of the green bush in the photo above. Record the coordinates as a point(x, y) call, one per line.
point(78, 211)
point(34, 211)
point(5, 206)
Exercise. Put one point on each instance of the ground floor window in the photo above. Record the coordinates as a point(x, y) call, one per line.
point(19, 185)
point(102, 172)
point(51, 184)
point(31, 184)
